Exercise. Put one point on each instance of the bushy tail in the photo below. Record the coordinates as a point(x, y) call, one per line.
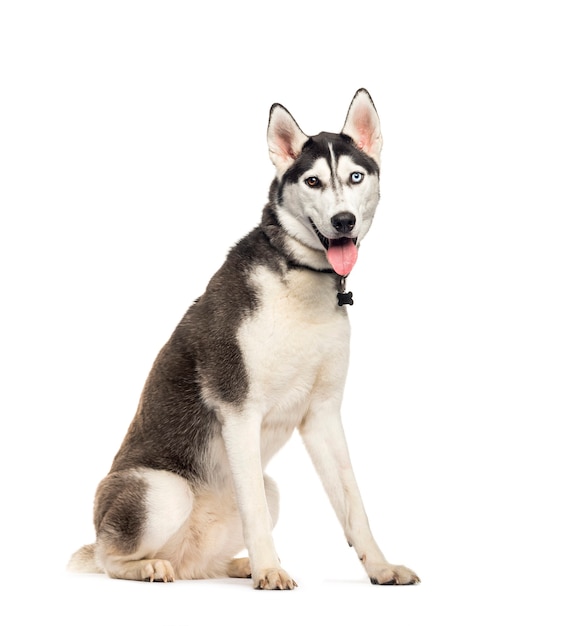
point(83, 561)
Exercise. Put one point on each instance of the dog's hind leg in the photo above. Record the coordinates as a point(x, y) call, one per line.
point(240, 568)
point(136, 513)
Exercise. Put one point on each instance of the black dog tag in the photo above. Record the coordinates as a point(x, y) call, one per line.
point(345, 298)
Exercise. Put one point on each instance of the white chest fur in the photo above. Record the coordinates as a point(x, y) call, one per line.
point(295, 348)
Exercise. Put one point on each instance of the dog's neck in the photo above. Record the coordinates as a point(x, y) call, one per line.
point(278, 239)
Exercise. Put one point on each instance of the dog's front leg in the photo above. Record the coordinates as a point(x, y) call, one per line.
point(242, 441)
point(324, 438)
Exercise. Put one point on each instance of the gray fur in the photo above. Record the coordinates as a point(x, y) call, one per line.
point(119, 515)
point(173, 424)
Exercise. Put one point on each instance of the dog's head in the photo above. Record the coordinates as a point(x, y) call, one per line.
point(327, 184)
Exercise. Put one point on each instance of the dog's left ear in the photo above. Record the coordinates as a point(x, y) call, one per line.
point(363, 126)
point(285, 138)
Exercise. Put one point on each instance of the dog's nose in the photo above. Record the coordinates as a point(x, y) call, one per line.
point(343, 222)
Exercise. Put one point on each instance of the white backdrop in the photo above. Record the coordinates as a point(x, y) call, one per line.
point(133, 155)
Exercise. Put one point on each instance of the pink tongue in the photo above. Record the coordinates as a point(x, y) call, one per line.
point(342, 255)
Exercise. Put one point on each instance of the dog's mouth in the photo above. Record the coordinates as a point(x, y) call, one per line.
point(341, 252)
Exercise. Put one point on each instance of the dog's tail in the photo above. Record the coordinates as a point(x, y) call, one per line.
point(83, 561)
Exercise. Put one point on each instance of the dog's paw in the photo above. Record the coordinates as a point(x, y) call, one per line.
point(239, 568)
point(387, 574)
point(157, 571)
point(275, 578)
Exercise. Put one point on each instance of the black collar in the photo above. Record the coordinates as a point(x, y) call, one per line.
point(343, 297)
point(293, 265)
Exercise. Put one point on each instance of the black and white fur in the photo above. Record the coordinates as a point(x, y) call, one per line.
point(262, 352)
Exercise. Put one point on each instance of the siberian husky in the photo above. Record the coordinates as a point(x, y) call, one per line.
point(262, 352)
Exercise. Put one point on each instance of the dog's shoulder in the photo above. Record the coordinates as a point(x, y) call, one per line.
point(230, 294)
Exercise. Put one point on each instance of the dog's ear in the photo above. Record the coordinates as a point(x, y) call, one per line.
point(363, 126)
point(285, 138)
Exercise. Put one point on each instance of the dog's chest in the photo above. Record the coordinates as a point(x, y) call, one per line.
point(295, 346)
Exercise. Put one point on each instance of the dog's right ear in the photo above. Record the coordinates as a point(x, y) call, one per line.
point(285, 138)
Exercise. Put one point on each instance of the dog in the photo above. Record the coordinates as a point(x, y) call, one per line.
point(262, 352)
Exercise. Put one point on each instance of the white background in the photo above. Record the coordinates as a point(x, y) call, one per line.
point(133, 155)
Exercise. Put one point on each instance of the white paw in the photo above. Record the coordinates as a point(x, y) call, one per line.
point(239, 568)
point(157, 570)
point(388, 574)
point(274, 578)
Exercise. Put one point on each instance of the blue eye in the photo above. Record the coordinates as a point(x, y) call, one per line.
point(357, 177)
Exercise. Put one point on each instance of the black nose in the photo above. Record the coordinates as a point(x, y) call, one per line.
point(343, 222)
